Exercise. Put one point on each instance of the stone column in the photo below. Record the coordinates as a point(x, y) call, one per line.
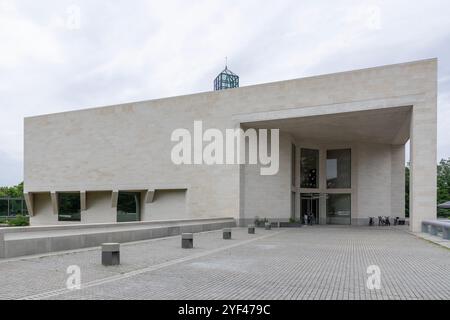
point(423, 163)
point(323, 185)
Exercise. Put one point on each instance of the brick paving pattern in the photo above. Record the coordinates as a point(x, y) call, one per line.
point(307, 263)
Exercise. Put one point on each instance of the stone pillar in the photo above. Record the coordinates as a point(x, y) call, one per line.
point(397, 181)
point(187, 240)
point(110, 254)
point(83, 202)
point(54, 198)
point(323, 186)
point(323, 209)
point(422, 205)
point(29, 201)
point(227, 234)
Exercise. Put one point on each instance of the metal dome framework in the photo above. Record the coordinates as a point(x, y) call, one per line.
point(226, 80)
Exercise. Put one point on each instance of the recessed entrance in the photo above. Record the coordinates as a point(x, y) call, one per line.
point(310, 207)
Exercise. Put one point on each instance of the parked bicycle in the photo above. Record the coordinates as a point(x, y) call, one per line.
point(384, 221)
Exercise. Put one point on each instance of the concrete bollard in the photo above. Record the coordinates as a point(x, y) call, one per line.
point(187, 240)
point(251, 229)
point(110, 254)
point(268, 226)
point(227, 233)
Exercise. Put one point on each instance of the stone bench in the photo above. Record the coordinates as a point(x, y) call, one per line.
point(434, 226)
point(110, 254)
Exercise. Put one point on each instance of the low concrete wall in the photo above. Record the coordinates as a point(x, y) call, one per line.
point(15, 242)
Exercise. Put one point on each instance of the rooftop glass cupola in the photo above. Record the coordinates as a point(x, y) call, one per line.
point(226, 80)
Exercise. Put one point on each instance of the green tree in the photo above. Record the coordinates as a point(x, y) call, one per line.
point(13, 192)
point(443, 185)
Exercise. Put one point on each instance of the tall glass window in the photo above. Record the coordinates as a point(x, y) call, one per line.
point(339, 169)
point(3, 207)
point(309, 168)
point(339, 208)
point(128, 206)
point(15, 207)
point(69, 208)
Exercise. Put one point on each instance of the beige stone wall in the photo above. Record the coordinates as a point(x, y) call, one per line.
point(166, 205)
point(269, 196)
point(127, 147)
point(99, 208)
point(381, 181)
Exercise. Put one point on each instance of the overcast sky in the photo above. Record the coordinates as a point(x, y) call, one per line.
point(64, 55)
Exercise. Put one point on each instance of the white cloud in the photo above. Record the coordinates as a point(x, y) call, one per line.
point(22, 41)
point(54, 58)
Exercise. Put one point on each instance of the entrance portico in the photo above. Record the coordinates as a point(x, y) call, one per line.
point(344, 167)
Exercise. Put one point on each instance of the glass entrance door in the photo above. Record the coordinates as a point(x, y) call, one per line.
point(310, 207)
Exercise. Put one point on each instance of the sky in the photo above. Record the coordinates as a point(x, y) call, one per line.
point(66, 55)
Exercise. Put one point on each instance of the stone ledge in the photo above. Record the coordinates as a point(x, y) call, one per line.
point(434, 239)
point(44, 241)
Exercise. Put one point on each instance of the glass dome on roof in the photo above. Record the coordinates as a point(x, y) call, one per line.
point(226, 80)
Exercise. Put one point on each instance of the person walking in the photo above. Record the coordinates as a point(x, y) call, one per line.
point(310, 219)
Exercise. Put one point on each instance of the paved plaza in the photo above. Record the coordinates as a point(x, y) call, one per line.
point(306, 263)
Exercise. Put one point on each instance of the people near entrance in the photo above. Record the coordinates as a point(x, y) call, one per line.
point(308, 218)
point(384, 221)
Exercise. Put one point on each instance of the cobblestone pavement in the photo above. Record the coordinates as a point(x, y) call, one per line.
point(307, 263)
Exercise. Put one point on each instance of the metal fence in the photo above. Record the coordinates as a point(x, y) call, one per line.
point(10, 207)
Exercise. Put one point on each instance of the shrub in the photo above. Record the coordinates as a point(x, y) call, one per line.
point(260, 222)
point(19, 221)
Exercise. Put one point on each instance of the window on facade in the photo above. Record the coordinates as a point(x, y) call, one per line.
point(3, 207)
point(339, 169)
point(128, 206)
point(69, 208)
point(309, 168)
point(339, 208)
point(15, 207)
